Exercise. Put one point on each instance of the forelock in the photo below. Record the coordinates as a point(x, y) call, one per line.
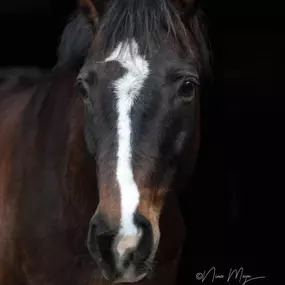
point(142, 20)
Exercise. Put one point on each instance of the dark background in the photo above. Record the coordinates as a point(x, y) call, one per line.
point(235, 207)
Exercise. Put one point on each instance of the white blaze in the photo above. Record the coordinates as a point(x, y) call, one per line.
point(127, 89)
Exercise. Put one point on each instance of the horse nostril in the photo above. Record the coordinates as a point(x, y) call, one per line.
point(105, 247)
point(100, 240)
point(104, 236)
point(128, 260)
point(145, 245)
point(91, 241)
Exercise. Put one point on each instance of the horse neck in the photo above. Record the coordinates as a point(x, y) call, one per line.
point(79, 182)
point(61, 174)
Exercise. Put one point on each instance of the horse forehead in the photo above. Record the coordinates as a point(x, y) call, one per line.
point(128, 55)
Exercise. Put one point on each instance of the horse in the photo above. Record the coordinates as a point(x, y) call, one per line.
point(90, 177)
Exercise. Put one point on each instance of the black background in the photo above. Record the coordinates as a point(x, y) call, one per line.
point(235, 208)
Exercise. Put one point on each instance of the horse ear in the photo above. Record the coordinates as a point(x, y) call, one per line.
point(192, 15)
point(92, 10)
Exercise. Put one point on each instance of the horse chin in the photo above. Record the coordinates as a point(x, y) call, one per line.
point(131, 280)
point(129, 276)
point(133, 275)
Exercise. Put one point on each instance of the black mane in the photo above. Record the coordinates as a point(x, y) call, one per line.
point(142, 20)
point(127, 19)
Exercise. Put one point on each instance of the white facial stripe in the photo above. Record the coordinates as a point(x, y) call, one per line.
point(127, 90)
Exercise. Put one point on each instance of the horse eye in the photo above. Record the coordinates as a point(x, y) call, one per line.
point(91, 78)
point(85, 81)
point(81, 85)
point(187, 88)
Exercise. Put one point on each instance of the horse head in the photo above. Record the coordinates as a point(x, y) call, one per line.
point(140, 83)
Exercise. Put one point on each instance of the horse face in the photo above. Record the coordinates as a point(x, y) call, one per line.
point(140, 116)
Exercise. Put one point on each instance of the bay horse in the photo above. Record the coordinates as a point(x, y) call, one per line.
point(94, 154)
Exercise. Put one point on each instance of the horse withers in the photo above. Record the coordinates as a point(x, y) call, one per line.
point(119, 150)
